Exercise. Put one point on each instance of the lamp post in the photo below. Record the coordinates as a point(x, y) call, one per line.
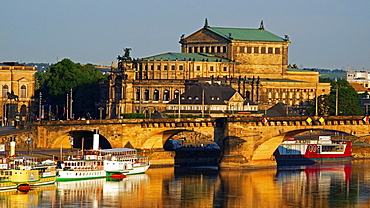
point(336, 100)
point(28, 141)
point(40, 106)
point(100, 112)
point(3, 123)
point(71, 142)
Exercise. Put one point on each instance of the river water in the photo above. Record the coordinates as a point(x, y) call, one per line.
point(339, 185)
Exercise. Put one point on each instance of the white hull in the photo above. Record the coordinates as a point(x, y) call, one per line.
point(126, 167)
point(8, 187)
point(67, 175)
point(103, 163)
point(138, 170)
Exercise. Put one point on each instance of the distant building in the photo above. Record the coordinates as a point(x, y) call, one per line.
point(360, 89)
point(280, 109)
point(17, 90)
point(254, 62)
point(217, 100)
point(364, 104)
point(359, 77)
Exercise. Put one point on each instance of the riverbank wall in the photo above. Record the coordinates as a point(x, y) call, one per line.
point(361, 152)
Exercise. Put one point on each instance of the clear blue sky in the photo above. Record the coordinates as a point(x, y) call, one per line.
point(324, 34)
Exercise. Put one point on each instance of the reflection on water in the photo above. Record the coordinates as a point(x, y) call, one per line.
point(328, 184)
point(341, 185)
point(41, 196)
point(100, 192)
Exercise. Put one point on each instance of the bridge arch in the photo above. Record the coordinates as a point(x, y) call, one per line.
point(79, 137)
point(266, 149)
point(158, 140)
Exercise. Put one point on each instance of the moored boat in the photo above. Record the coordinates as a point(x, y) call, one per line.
point(102, 163)
point(81, 169)
point(305, 152)
point(23, 173)
point(124, 160)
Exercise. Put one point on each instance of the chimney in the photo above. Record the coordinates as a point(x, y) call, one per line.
point(96, 139)
point(12, 146)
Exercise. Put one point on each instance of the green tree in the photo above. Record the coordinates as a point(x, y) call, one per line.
point(348, 103)
point(60, 78)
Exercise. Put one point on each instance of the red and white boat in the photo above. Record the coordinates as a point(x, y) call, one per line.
point(305, 152)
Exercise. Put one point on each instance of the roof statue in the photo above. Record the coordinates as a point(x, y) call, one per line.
point(126, 56)
point(286, 37)
point(206, 23)
point(262, 27)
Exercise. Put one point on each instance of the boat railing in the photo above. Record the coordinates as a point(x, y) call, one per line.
point(338, 142)
point(5, 175)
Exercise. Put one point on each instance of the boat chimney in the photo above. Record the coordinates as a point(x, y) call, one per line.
point(12, 147)
point(96, 139)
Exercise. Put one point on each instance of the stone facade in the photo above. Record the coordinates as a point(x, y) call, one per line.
point(260, 57)
point(253, 61)
point(18, 80)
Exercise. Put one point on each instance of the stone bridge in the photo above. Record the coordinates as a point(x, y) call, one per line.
point(134, 133)
point(251, 141)
point(245, 141)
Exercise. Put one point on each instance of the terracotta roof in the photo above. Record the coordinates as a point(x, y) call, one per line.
point(11, 64)
point(358, 87)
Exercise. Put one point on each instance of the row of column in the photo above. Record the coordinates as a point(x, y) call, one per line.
point(185, 70)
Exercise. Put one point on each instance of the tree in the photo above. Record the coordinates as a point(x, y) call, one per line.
point(60, 78)
point(346, 97)
point(348, 103)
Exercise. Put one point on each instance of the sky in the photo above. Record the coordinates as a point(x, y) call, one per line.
point(330, 34)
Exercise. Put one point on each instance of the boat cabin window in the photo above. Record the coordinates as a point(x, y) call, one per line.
point(332, 148)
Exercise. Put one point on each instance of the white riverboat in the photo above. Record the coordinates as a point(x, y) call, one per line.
point(124, 160)
point(24, 172)
point(100, 163)
point(93, 164)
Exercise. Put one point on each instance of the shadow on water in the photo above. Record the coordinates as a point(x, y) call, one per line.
point(195, 170)
point(195, 157)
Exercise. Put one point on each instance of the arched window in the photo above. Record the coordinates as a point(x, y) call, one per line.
point(5, 90)
point(138, 94)
point(23, 92)
point(176, 95)
point(23, 110)
point(166, 95)
point(146, 95)
point(118, 88)
point(248, 94)
point(156, 95)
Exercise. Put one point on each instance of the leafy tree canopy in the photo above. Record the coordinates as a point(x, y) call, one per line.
point(60, 78)
point(341, 93)
point(348, 103)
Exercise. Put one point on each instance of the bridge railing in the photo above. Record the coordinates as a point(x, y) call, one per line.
point(303, 120)
point(118, 121)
